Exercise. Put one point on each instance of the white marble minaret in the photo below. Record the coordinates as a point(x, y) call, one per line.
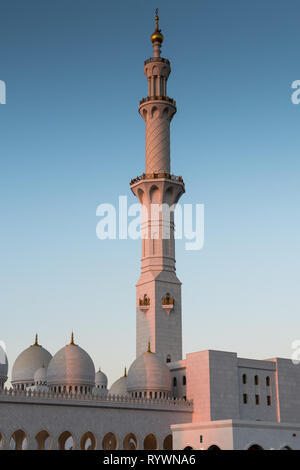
point(158, 291)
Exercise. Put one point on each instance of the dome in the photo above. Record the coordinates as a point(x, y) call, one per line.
point(70, 366)
point(157, 35)
point(100, 379)
point(28, 362)
point(149, 375)
point(119, 387)
point(40, 375)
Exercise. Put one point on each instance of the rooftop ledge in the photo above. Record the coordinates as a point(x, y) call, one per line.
point(24, 396)
point(153, 176)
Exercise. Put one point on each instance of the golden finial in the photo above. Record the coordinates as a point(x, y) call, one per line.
point(157, 35)
point(149, 348)
point(36, 340)
point(125, 372)
point(72, 340)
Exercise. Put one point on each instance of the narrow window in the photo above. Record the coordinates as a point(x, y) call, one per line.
point(269, 400)
point(168, 358)
point(184, 380)
point(256, 380)
point(174, 382)
point(268, 381)
point(244, 379)
point(201, 439)
point(245, 398)
point(257, 399)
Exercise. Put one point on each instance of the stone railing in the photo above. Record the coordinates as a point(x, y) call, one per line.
point(156, 59)
point(161, 98)
point(28, 395)
point(151, 176)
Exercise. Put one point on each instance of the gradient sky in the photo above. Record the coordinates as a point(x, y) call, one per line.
point(71, 138)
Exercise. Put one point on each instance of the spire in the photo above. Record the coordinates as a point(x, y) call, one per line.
point(72, 340)
point(157, 37)
point(125, 372)
point(149, 348)
point(36, 340)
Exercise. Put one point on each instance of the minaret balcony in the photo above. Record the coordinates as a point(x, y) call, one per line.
point(160, 98)
point(144, 303)
point(168, 303)
point(152, 176)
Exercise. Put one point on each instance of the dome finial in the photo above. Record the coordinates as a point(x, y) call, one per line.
point(125, 372)
point(157, 35)
point(36, 340)
point(149, 348)
point(72, 340)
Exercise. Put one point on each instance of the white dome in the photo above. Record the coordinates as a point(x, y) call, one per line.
point(119, 387)
point(71, 365)
point(100, 379)
point(149, 374)
point(28, 362)
point(40, 375)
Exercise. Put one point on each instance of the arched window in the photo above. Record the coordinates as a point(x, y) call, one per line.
point(66, 441)
point(245, 398)
point(109, 442)
point(184, 380)
point(268, 381)
point(18, 440)
point(174, 382)
point(88, 441)
point(168, 358)
point(244, 379)
point(255, 447)
point(150, 442)
point(43, 440)
point(256, 381)
point(214, 447)
point(130, 442)
point(168, 442)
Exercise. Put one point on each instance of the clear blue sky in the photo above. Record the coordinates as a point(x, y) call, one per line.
point(71, 138)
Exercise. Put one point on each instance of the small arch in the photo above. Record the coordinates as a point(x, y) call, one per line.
point(168, 442)
point(18, 440)
point(88, 441)
point(130, 442)
point(244, 378)
point(109, 442)
point(145, 114)
point(154, 195)
point(44, 440)
point(213, 447)
point(66, 441)
point(154, 112)
point(150, 442)
point(188, 448)
point(255, 447)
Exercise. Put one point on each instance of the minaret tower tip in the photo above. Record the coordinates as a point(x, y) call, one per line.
point(158, 291)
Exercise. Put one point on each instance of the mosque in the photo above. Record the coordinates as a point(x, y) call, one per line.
point(209, 400)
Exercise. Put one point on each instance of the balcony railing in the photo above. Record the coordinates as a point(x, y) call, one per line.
point(152, 176)
point(161, 98)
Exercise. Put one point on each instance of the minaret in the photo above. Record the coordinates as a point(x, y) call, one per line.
point(158, 291)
